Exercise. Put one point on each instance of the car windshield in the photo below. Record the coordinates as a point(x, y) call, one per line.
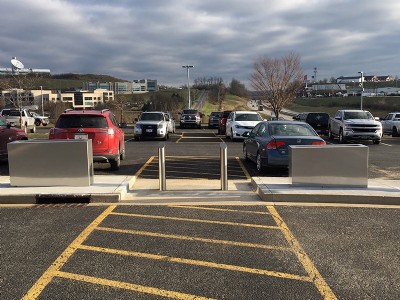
point(248, 117)
point(215, 114)
point(11, 113)
point(285, 129)
point(151, 117)
point(357, 115)
point(76, 121)
point(189, 112)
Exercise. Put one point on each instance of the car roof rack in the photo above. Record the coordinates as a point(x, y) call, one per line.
point(104, 110)
point(68, 109)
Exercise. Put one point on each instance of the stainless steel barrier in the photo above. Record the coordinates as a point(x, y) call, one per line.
point(161, 167)
point(51, 163)
point(330, 165)
point(224, 167)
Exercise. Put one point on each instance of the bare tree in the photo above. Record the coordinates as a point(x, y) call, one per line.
point(278, 79)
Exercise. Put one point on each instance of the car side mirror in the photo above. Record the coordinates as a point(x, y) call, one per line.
point(246, 134)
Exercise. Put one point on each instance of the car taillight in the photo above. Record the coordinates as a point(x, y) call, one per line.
point(320, 143)
point(110, 131)
point(275, 144)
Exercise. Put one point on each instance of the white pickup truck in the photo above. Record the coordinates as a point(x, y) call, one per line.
point(391, 124)
point(21, 118)
point(355, 125)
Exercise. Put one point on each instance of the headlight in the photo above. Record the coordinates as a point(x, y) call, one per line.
point(138, 126)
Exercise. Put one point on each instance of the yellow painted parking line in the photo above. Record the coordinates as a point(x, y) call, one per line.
point(243, 168)
point(48, 275)
point(221, 209)
point(314, 275)
point(196, 239)
point(147, 163)
point(195, 220)
point(128, 286)
point(196, 263)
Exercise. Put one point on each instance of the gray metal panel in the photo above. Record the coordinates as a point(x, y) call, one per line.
point(51, 163)
point(330, 165)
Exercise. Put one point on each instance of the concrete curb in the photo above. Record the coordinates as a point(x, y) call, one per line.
point(277, 189)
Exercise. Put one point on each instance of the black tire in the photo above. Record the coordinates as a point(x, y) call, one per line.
point(245, 155)
point(260, 168)
point(115, 163)
point(38, 122)
point(123, 154)
point(395, 132)
point(376, 142)
point(342, 140)
point(137, 138)
point(330, 135)
point(33, 129)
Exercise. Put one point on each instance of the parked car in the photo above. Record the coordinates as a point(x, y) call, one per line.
point(99, 126)
point(171, 122)
point(355, 125)
point(318, 120)
point(152, 124)
point(222, 121)
point(9, 134)
point(40, 120)
point(213, 119)
point(240, 122)
point(267, 144)
point(190, 118)
point(391, 124)
point(21, 118)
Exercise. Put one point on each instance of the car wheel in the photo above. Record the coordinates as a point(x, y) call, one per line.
point(232, 137)
point(137, 138)
point(245, 155)
point(376, 142)
point(330, 134)
point(123, 154)
point(395, 132)
point(260, 168)
point(33, 129)
point(341, 137)
point(38, 122)
point(115, 163)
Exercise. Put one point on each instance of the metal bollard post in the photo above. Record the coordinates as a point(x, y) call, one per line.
point(224, 167)
point(161, 166)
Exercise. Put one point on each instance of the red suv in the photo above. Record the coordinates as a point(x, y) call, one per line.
point(99, 126)
point(222, 121)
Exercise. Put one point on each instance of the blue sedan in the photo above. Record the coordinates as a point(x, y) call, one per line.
point(267, 144)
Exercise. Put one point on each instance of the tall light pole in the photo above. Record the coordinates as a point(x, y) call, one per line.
point(362, 88)
point(187, 70)
point(41, 95)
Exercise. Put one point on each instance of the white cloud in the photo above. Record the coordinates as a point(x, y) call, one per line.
point(152, 39)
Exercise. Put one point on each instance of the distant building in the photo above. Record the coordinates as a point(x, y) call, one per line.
point(77, 99)
point(134, 87)
point(367, 78)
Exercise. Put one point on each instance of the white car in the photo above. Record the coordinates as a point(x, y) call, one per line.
point(240, 122)
point(151, 124)
point(171, 122)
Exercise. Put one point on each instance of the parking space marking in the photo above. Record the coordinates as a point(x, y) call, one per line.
point(198, 137)
point(220, 209)
point(48, 275)
point(197, 263)
point(302, 256)
point(128, 286)
point(190, 238)
point(243, 168)
point(146, 164)
point(194, 220)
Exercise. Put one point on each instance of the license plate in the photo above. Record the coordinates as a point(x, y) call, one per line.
point(80, 136)
point(149, 130)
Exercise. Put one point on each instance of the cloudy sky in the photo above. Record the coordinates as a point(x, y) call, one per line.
point(132, 39)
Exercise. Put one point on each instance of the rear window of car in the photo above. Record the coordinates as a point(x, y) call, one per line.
point(77, 121)
point(291, 130)
point(190, 112)
point(317, 117)
point(225, 114)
